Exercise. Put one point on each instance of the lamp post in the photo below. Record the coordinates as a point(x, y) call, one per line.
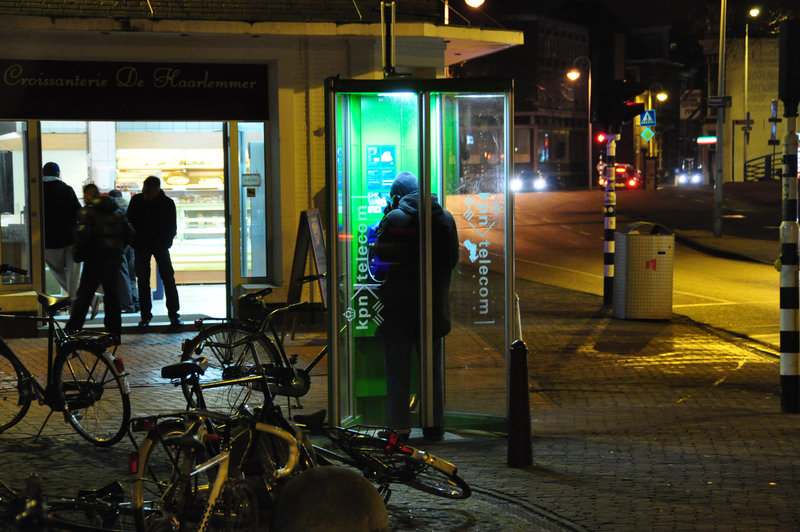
point(720, 120)
point(470, 3)
point(573, 75)
point(753, 13)
point(661, 96)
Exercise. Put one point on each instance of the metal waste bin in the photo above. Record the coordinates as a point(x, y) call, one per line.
point(643, 263)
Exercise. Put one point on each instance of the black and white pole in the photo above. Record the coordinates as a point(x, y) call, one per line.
point(789, 294)
point(789, 93)
point(610, 221)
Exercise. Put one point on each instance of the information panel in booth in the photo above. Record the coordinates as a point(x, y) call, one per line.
point(455, 137)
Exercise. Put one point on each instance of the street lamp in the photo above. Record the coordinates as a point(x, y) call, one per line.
point(723, 24)
point(753, 13)
point(573, 75)
point(471, 3)
point(661, 96)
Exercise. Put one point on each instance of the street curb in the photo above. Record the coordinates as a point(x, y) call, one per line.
point(715, 252)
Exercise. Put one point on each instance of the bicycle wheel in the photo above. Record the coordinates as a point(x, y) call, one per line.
point(164, 495)
point(13, 406)
point(435, 481)
point(226, 364)
point(94, 394)
point(417, 470)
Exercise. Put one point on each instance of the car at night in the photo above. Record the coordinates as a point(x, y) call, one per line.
point(625, 177)
point(689, 174)
point(529, 181)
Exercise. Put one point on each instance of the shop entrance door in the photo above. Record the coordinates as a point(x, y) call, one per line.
point(247, 193)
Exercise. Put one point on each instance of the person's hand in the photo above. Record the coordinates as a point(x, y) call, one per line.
point(388, 208)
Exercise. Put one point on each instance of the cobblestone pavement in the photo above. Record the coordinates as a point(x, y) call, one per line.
point(637, 425)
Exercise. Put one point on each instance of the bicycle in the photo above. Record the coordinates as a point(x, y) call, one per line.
point(384, 459)
point(236, 349)
point(100, 510)
point(198, 468)
point(84, 381)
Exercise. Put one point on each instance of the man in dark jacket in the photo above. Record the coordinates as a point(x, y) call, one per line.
point(152, 215)
point(60, 218)
point(102, 235)
point(397, 244)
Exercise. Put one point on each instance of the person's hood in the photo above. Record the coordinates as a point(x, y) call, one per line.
point(404, 183)
point(104, 204)
point(409, 204)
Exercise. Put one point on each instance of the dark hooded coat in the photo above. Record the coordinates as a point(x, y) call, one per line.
point(103, 232)
point(397, 244)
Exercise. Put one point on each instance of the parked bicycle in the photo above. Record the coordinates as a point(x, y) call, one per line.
point(197, 469)
point(375, 451)
point(84, 382)
point(236, 348)
point(29, 510)
point(384, 459)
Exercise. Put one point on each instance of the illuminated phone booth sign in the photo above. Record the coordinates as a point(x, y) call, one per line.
point(391, 352)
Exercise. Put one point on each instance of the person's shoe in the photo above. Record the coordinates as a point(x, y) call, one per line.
point(145, 322)
point(433, 433)
point(174, 323)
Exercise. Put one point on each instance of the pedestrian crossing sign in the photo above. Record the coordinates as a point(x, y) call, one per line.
point(648, 118)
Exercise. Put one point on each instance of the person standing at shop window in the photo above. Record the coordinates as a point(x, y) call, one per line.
point(128, 291)
point(397, 244)
point(61, 208)
point(102, 235)
point(152, 215)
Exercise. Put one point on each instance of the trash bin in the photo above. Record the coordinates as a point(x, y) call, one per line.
point(643, 264)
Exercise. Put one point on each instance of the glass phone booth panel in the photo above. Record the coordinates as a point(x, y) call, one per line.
point(454, 135)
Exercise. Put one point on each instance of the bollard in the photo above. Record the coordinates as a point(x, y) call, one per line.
point(520, 446)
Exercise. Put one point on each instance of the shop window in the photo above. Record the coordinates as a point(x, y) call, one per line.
point(15, 237)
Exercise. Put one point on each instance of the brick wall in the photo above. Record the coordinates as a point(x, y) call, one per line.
point(341, 11)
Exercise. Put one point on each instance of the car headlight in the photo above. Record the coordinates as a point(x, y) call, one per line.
point(697, 179)
point(516, 184)
point(683, 179)
point(540, 183)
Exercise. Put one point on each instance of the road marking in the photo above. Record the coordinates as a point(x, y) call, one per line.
point(692, 294)
point(534, 263)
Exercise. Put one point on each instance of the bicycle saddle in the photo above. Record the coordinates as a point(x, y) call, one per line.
point(313, 422)
point(53, 304)
point(185, 369)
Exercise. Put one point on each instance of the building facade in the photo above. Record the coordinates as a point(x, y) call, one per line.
point(224, 103)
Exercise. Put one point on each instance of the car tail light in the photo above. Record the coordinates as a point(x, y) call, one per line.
point(631, 182)
point(620, 170)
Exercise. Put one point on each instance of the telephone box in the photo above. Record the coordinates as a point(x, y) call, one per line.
point(455, 136)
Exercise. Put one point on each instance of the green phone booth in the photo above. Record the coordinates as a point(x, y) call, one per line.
point(455, 136)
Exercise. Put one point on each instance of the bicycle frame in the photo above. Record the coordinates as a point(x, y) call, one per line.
point(198, 435)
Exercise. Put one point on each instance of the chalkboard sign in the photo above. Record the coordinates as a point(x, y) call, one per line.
point(309, 236)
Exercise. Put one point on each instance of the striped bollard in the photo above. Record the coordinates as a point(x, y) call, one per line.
point(610, 221)
point(789, 294)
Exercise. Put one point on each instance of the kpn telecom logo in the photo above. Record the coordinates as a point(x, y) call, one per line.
point(482, 212)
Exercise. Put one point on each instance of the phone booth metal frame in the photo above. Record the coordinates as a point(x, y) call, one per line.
point(456, 135)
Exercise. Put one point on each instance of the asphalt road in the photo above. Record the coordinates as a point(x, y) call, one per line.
point(559, 241)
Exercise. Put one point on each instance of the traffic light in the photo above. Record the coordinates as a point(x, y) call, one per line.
point(600, 138)
point(616, 106)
